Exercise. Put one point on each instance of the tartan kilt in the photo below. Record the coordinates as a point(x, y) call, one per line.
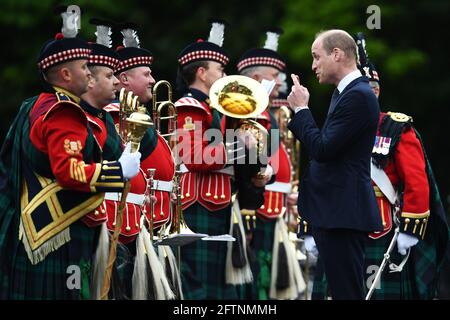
point(203, 262)
point(261, 246)
point(49, 279)
point(393, 286)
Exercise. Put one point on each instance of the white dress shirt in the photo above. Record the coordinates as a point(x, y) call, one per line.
point(341, 86)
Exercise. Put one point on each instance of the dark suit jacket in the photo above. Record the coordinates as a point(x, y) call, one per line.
point(336, 191)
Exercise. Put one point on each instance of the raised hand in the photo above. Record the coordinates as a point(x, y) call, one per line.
point(299, 96)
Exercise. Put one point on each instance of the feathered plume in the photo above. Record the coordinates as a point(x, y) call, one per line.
point(70, 23)
point(130, 37)
point(363, 58)
point(217, 31)
point(103, 32)
point(272, 37)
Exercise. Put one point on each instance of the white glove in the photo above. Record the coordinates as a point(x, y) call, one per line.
point(130, 162)
point(310, 246)
point(404, 242)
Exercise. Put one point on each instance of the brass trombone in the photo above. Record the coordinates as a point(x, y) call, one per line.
point(158, 107)
point(176, 232)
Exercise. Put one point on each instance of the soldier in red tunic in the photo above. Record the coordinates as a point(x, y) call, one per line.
point(56, 161)
point(276, 270)
point(134, 74)
point(208, 182)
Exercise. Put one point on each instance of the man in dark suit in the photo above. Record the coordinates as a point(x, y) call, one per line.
point(336, 200)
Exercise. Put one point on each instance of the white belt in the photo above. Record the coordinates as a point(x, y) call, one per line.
point(131, 197)
point(283, 187)
point(163, 185)
point(227, 170)
point(381, 179)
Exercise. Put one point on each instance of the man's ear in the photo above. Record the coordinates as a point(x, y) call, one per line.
point(338, 54)
point(201, 73)
point(65, 74)
point(257, 77)
point(92, 81)
point(123, 78)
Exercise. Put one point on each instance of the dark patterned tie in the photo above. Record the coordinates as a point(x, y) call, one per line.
point(333, 101)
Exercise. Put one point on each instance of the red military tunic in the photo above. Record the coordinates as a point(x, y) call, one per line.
point(63, 138)
point(406, 167)
point(62, 132)
point(275, 194)
point(160, 158)
point(202, 182)
point(132, 211)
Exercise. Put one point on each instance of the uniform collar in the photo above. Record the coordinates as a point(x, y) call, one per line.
point(92, 110)
point(198, 95)
point(67, 93)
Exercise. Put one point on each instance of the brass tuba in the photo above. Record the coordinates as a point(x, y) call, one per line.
point(242, 99)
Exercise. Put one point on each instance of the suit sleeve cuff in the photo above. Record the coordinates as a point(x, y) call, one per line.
point(297, 109)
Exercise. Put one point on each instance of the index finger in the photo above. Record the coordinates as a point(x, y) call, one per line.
point(295, 80)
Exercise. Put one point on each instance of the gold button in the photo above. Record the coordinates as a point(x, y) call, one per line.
point(96, 212)
point(277, 210)
point(417, 221)
point(407, 220)
point(269, 210)
point(216, 197)
point(222, 196)
point(187, 195)
point(208, 194)
point(128, 228)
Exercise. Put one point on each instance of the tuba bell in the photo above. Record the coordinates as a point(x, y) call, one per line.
point(242, 99)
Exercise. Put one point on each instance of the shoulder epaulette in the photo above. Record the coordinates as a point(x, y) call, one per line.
point(390, 130)
point(191, 102)
point(64, 100)
point(400, 117)
point(112, 107)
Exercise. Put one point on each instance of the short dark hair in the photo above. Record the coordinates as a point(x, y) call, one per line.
point(338, 39)
point(94, 71)
point(188, 71)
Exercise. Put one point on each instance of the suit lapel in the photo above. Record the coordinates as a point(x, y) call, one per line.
point(337, 97)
